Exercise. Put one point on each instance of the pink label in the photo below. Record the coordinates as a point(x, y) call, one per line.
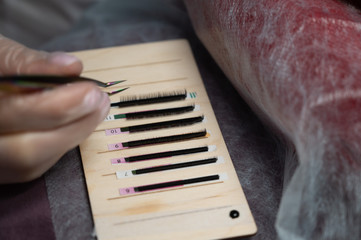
point(126, 191)
point(117, 161)
point(116, 146)
point(113, 131)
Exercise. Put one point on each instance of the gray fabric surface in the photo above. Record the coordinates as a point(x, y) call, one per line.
point(37, 21)
point(257, 155)
point(68, 198)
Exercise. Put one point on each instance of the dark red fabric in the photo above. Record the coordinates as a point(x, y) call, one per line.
point(25, 211)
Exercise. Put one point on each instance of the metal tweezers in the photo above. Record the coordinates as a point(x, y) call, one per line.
point(30, 83)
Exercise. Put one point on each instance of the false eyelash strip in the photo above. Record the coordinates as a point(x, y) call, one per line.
point(130, 173)
point(150, 99)
point(154, 126)
point(153, 113)
point(159, 140)
point(172, 184)
point(153, 156)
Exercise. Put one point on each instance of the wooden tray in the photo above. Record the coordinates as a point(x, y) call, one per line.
point(197, 208)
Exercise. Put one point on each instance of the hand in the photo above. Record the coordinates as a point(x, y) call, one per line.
point(37, 129)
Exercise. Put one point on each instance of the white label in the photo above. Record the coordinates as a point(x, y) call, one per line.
point(220, 159)
point(109, 118)
point(124, 174)
point(212, 148)
point(223, 176)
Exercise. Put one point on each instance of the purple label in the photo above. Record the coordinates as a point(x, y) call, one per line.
point(126, 191)
point(113, 131)
point(115, 146)
point(117, 161)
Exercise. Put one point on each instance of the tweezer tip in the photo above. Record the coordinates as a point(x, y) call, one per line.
point(114, 83)
point(117, 91)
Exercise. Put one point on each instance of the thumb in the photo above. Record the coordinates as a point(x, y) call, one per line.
point(17, 59)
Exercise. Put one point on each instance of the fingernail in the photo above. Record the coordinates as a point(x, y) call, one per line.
point(62, 58)
point(91, 101)
point(105, 107)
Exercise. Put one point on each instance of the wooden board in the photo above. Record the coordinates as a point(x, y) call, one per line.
point(211, 209)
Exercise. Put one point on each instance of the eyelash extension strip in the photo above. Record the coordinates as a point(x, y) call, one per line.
point(159, 140)
point(150, 99)
point(177, 183)
point(154, 156)
point(152, 113)
point(130, 173)
point(154, 126)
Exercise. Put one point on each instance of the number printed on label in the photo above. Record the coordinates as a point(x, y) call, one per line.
point(109, 118)
point(115, 131)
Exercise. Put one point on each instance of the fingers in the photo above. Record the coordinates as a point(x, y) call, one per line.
point(48, 109)
point(26, 156)
point(37, 129)
point(17, 59)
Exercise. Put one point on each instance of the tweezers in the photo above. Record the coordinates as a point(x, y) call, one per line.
point(30, 83)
